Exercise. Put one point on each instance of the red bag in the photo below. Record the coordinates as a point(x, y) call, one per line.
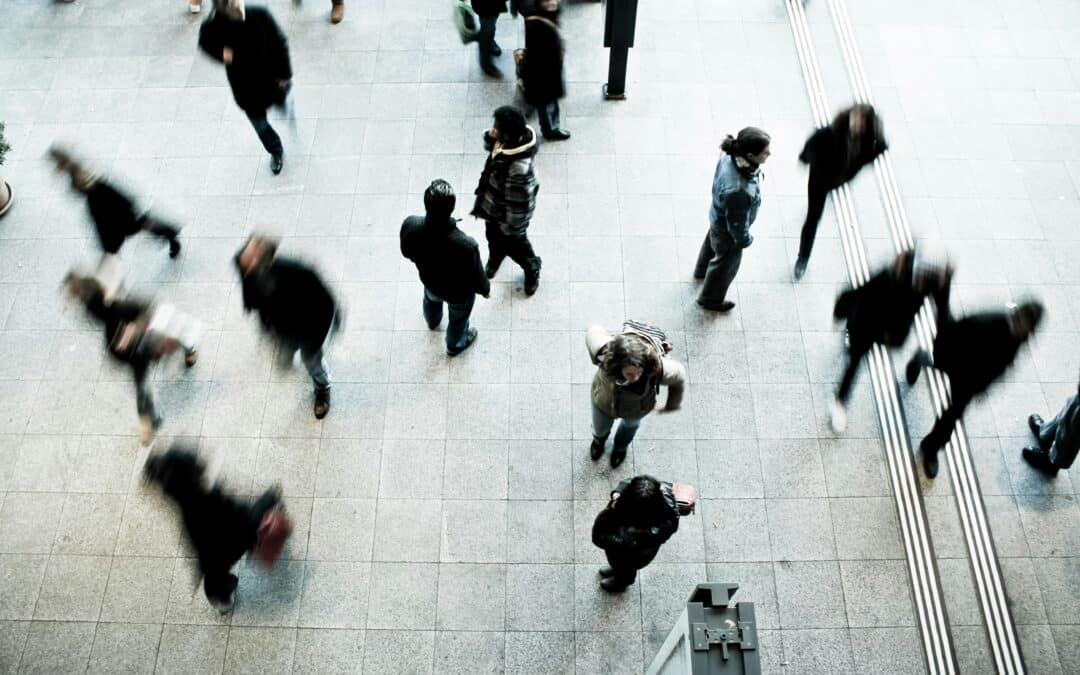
point(685, 497)
point(274, 530)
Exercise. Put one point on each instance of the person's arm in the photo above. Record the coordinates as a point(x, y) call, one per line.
point(489, 142)
point(596, 339)
point(737, 213)
point(483, 284)
point(211, 41)
point(608, 534)
point(674, 378)
point(520, 194)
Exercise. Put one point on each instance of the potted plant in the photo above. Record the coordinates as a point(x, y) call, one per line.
point(6, 194)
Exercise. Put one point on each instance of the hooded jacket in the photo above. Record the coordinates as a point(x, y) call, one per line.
point(635, 544)
point(293, 302)
point(975, 351)
point(447, 259)
point(506, 193)
point(260, 57)
point(639, 398)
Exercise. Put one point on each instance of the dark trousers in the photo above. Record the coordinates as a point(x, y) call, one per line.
point(855, 357)
point(1054, 436)
point(270, 139)
point(548, 115)
point(515, 246)
point(718, 263)
point(144, 398)
point(817, 193)
point(457, 328)
point(626, 566)
point(942, 431)
point(219, 583)
point(485, 40)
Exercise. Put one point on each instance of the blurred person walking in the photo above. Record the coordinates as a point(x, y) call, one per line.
point(542, 66)
point(736, 196)
point(337, 9)
point(295, 307)
point(139, 334)
point(488, 12)
point(638, 519)
point(883, 311)
point(835, 154)
point(113, 212)
point(631, 367)
point(974, 352)
point(449, 264)
point(1058, 439)
point(256, 57)
point(506, 195)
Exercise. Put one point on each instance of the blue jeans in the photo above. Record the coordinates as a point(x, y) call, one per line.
point(457, 328)
point(624, 435)
point(1063, 449)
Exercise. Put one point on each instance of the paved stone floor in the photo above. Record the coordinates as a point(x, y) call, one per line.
point(444, 507)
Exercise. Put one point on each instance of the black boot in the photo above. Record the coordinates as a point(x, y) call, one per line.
point(618, 456)
point(1035, 423)
point(930, 460)
point(322, 404)
point(532, 276)
point(1040, 460)
point(174, 248)
point(596, 450)
point(915, 366)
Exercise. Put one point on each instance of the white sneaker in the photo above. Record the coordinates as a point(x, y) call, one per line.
point(838, 416)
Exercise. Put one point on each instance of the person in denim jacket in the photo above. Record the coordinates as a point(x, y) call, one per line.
point(1059, 439)
point(736, 198)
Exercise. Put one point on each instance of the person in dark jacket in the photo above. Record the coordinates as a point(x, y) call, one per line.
point(974, 352)
point(506, 195)
point(835, 154)
point(220, 527)
point(736, 196)
point(542, 69)
point(883, 311)
point(488, 12)
point(448, 261)
point(295, 307)
point(113, 212)
point(256, 57)
point(1058, 439)
point(636, 522)
point(138, 334)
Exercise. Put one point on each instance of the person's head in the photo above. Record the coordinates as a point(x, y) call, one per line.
point(439, 200)
point(85, 289)
point(257, 253)
point(751, 145)
point(861, 119)
point(642, 500)
point(233, 9)
point(628, 358)
point(509, 125)
point(549, 6)
point(1025, 318)
point(81, 177)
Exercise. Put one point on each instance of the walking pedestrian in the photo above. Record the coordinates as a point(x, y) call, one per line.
point(488, 12)
point(637, 521)
point(835, 154)
point(337, 9)
point(113, 212)
point(220, 527)
point(974, 352)
point(882, 311)
point(448, 261)
point(1058, 439)
point(631, 367)
point(138, 334)
point(295, 307)
point(506, 195)
point(542, 66)
point(736, 194)
point(256, 57)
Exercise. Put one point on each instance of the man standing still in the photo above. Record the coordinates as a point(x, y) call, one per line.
point(256, 57)
point(448, 261)
point(1058, 439)
point(488, 12)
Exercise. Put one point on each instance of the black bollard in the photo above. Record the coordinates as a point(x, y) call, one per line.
point(620, 20)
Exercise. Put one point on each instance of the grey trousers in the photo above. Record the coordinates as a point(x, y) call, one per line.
point(718, 263)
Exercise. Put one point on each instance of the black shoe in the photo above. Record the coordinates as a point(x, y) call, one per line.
point(496, 49)
point(174, 248)
point(532, 277)
point(557, 135)
point(606, 572)
point(492, 70)
point(491, 269)
point(800, 268)
point(611, 586)
point(915, 366)
point(470, 338)
point(618, 456)
point(725, 306)
point(700, 276)
point(276, 163)
point(1035, 423)
point(1039, 460)
point(322, 404)
point(596, 450)
point(930, 460)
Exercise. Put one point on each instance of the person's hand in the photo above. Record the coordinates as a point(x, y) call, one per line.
point(227, 55)
point(660, 408)
point(283, 84)
point(486, 295)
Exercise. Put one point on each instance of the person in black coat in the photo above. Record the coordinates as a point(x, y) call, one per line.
point(1058, 439)
point(139, 335)
point(113, 212)
point(256, 57)
point(974, 352)
point(882, 311)
point(542, 68)
point(636, 522)
point(295, 307)
point(449, 264)
point(220, 527)
point(835, 154)
point(488, 12)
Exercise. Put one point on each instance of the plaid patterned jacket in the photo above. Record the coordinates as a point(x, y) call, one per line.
point(507, 190)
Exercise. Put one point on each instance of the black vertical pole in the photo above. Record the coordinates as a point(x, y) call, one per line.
point(616, 74)
point(620, 19)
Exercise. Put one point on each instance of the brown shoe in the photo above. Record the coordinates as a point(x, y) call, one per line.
point(322, 404)
point(337, 12)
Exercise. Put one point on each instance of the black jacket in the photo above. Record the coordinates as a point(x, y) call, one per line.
point(448, 259)
point(260, 57)
point(115, 317)
point(489, 7)
point(882, 310)
point(114, 215)
point(542, 70)
point(832, 161)
point(975, 350)
point(293, 303)
point(634, 544)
